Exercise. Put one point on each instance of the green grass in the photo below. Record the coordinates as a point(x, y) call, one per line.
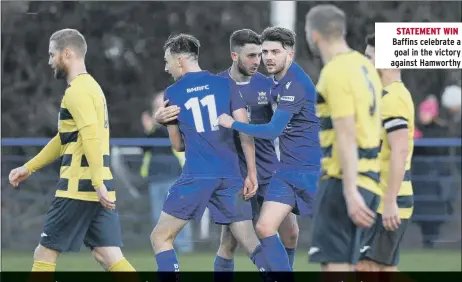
point(420, 260)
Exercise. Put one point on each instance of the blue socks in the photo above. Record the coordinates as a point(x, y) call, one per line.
point(167, 261)
point(223, 265)
point(275, 254)
point(258, 258)
point(291, 254)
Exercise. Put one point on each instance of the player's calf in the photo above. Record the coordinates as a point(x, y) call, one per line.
point(244, 234)
point(162, 237)
point(288, 232)
point(228, 244)
point(224, 261)
point(45, 259)
point(271, 217)
point(111, 259)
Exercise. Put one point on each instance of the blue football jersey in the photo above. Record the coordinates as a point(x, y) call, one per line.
point(259, 105)
point(210, 149)
point(299, 142)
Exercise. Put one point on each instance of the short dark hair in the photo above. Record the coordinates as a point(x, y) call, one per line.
point(370, 40)
point(327, 19)
point(243, 36)
point(70, 38)
point(183, 43)
point(280, 34)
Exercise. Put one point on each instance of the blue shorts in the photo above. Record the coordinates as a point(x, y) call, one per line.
point(257, 200)
point(189, 196)
point(296, 189)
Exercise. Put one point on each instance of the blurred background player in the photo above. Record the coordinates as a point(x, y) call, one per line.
point(293, 185)
point(161, 166)
point(211, 176)
point(381, 246)
point(84, 206)
point(348, 104)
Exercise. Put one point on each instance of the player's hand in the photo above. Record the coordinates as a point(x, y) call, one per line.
point(361, 215)
point(18, 175)
point(225, 120)
point(250, 186)
point(390, 215)
point(166, 114)
point(104, 199)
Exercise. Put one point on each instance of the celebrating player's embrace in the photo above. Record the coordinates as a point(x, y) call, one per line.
point(347, 133)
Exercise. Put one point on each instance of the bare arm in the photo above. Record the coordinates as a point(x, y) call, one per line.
point(398, 141)
point(175, 137)
point(247, 142)
point(345, 129)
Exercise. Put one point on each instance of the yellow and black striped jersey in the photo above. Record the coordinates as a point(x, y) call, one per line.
point(349, 85)
point(83, 104)
point(397, 113)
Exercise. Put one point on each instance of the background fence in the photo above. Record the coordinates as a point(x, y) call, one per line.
point(436, 181)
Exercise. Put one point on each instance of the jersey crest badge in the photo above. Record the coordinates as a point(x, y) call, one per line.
point(262, 99)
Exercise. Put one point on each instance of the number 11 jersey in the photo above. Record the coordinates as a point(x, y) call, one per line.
point(349, 85)
point(210, 149)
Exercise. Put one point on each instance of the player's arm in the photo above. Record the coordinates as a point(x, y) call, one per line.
point(340, 99)
point(271, 130)
point(247, 142)
point(172, 126)
point(237, 108)
point(175, 137)
point(345, 129)
point(291, 102)
point(47, 155)
point(396, 126)
point(82, 109)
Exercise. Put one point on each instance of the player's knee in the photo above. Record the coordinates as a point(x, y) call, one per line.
point(264, 229)
point(42, 253)
point(160, 236)
point(289, 236)
point(227, 248)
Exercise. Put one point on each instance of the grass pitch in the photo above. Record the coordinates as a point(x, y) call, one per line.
point(416, 260)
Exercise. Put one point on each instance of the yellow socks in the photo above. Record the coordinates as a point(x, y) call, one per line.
point(43, 266)
point(121, 265)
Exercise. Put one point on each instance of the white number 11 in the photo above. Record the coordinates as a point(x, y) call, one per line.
point(209, 102)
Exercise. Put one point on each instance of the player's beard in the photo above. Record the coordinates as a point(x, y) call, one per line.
point(242, 69)
point(281, 67)
point(60, 71)
point(314, 48)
